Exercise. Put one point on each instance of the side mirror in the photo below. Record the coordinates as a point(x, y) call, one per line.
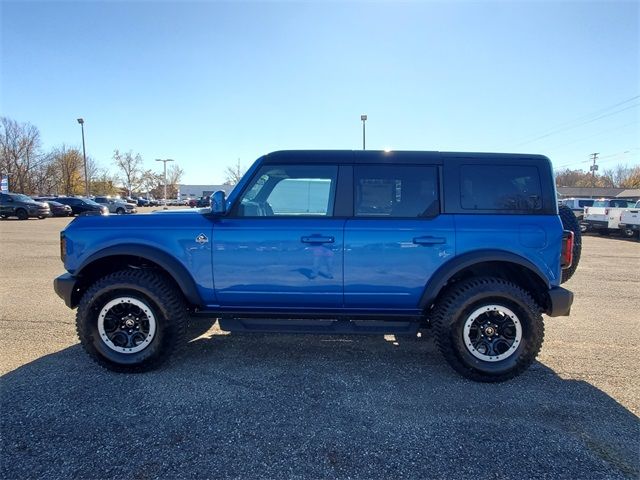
point(219, 203)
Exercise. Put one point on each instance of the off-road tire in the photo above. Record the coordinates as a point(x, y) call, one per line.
point(455, 306)
point(22, 214)
point(155, 290)
point(570, 222)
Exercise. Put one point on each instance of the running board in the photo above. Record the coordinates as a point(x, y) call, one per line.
point(341, 327)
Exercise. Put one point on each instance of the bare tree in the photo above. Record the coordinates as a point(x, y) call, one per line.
point(233, 174)
point(130, 169)
point(150, 180)
point(174, 175)
point(19, 153)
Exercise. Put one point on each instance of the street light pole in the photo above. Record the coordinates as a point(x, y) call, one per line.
point(84, 156)
point(165, 178)
point(364, 119)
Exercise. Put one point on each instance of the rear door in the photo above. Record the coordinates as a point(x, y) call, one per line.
point(397, 237)
point(281, 246)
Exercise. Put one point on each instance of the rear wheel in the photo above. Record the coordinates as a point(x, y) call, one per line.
point(488, 329)
point(628, 233)
point(22, 214)
point(131, 320)
point(120, 211)
point(570, 222)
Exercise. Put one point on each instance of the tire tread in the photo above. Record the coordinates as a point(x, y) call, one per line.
point(452, 301)
point(172, 303)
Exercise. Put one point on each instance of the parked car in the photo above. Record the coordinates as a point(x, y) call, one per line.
point(57, 209)
point(192, 202)
point(204, 201)
point(630, 221)
point(22, 206)
point(116, 205)
point(83, 206)
point(142, 202)
point(577, 205)
point(604, 215)
point(471, 245)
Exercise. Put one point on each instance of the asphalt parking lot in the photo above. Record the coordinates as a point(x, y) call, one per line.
point(283, 406)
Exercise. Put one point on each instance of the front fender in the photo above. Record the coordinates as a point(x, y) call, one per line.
point(164, 260)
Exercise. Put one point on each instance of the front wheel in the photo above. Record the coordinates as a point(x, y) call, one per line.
point(131, 320)
point(488, 329)
point(120, 211)
point(22, 214)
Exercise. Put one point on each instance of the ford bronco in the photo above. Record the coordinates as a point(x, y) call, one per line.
point(468, 246)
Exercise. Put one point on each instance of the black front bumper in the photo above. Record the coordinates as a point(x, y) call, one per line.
point(65, 286)
point(560, 301)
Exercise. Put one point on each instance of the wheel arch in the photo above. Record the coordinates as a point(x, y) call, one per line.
point(123, 256)
point(494, 263)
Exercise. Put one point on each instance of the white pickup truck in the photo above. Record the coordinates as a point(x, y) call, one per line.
point(604, 215)
point(630, 221)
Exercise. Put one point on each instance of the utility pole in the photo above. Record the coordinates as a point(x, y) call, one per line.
point(165, 178)
point(84, 156)
point(364, 119)
point(593, 168)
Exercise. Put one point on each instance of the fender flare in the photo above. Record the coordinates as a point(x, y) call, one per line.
point(169, 264)
point(443, 274)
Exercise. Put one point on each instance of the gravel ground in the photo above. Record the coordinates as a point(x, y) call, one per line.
point(285, 406)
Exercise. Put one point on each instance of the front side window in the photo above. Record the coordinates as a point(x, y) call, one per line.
point(290, 190)
point(500, 187)
point(396, 191)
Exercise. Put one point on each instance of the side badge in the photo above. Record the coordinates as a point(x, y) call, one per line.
point(202, 239)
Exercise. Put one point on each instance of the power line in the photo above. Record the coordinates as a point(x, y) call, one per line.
point(608, 158)
point(597, 112)
point(577, 125)
point(620, 127)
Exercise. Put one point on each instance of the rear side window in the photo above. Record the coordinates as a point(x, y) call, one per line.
point(504, 187)
point(585, 203)
point(396, 191)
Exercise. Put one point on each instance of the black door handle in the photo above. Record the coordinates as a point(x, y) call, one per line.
point(428, 240)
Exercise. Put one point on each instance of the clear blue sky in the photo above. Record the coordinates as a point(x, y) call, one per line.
point(207, 83)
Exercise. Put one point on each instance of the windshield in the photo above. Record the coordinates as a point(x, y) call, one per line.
point(22, 198)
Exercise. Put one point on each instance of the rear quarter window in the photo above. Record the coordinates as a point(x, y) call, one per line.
point(500, 187)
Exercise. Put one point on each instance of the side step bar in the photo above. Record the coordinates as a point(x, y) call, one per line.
point(319, 326)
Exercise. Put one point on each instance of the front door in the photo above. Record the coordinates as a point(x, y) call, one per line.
point(280, 246)
point(397, 237)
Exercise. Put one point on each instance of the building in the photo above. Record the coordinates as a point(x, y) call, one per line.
point(597, 192)
point(197, 191)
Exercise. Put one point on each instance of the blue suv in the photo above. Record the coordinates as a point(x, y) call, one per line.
point(468, 246)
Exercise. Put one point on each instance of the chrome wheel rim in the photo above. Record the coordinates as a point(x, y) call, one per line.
point(126, 325)
point(492, 333)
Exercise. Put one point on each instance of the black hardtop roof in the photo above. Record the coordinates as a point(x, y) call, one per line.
point(392, 156)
